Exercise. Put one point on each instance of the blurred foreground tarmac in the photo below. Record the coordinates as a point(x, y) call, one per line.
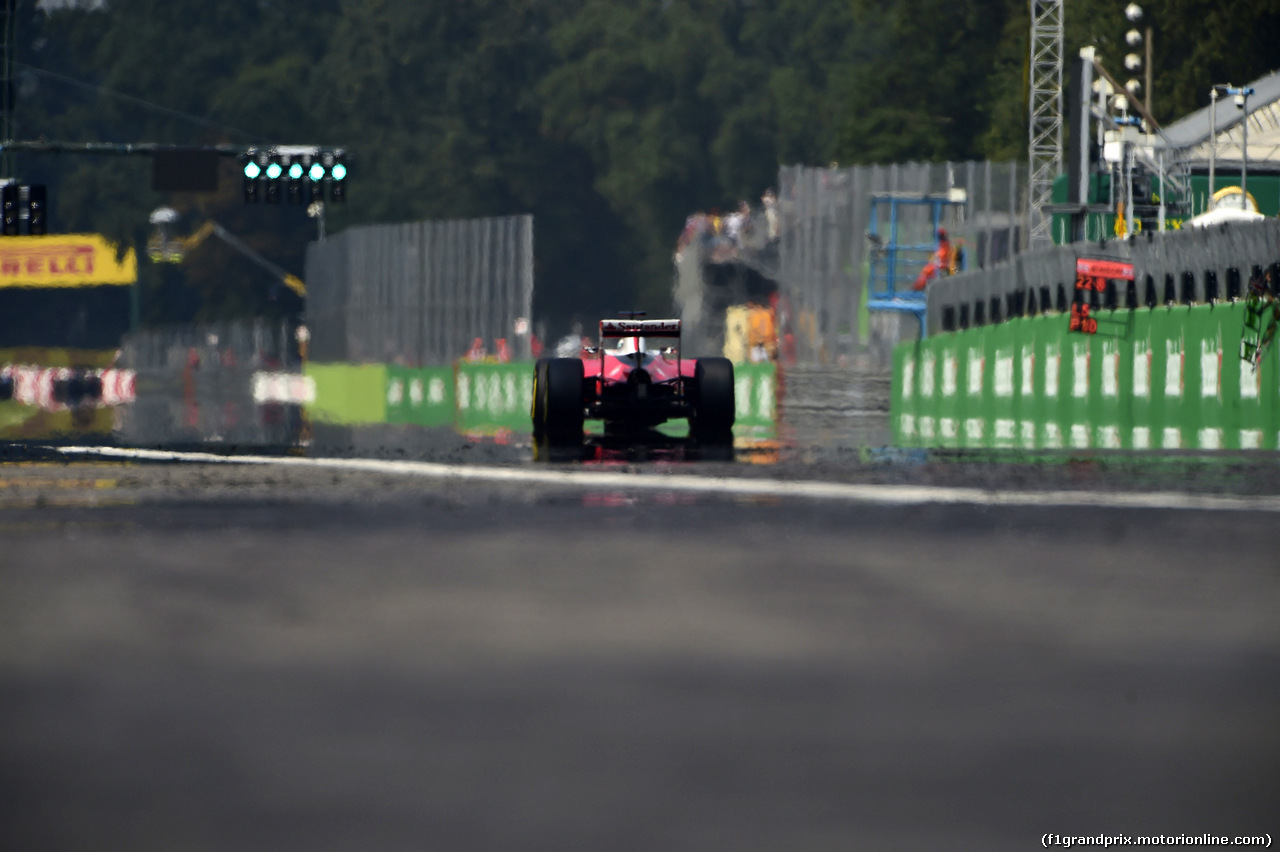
point(240, 658)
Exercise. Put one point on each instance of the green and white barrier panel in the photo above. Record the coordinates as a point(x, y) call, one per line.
point(420, 396)
point(480, 398)
point(755, 388)
point(349, 394)
point(493, 397)
point(1165, 378)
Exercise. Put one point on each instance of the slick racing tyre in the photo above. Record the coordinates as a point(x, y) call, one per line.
point(713, 410)
point(539, 412)
point(564, 409)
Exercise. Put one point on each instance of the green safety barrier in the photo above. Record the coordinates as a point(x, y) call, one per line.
point(484, 398)
point(420, 396)
point(1166, 378)
point(755, 389)
point(494, 397)
point(349, 394)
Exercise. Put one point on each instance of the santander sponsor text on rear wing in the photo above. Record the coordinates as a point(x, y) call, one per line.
point(639, 328)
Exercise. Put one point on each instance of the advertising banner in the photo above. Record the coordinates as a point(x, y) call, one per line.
point(494, 397)
point(420, 396)
point(488, 398)
point(1002, 390)
point(755, 396)
point(64, 260)
point(947, 379)
point(348, 394)
point(1137, 371)
point(1167, 378)
point(902, 394)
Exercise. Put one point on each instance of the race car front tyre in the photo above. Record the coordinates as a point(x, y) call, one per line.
point(564, 409)
point(539, 412)
point(714, 404)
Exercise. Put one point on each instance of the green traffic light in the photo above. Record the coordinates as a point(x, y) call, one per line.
point(251, 170)
point(295, 171)
point(317, 171)
point(338, 171)
point(274, 170)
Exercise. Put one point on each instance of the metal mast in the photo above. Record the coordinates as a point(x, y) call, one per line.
point(8, 23)
point(1044, 129)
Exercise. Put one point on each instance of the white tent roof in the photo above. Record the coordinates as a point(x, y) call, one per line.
point(1222, 216)
point(1192, 135)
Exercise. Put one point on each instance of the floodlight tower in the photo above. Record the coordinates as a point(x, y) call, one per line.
point(1044, 131)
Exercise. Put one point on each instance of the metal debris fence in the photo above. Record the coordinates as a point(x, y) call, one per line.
point(194, 384)
point(418, 294)
point(824, 251)
point(1189, 266)
point(256, 344)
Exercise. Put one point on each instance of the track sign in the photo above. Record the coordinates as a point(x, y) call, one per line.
point(301, 173)
point(273, 171)
point(252, 171)
point(184, 170)
point(297, 172)
point(37, 210)
point(337, 178)
point(315, 179)
point(10, 209)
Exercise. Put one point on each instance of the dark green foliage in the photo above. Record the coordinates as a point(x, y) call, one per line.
point(609, 120)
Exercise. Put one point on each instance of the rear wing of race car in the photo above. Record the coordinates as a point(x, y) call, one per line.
point(637, 328)
point(612, 328)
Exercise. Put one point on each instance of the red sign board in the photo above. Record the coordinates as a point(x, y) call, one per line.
point(1081, 321)
point(1104, 268)
point(1093, 274)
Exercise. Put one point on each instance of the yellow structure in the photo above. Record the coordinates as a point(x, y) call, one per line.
point(64, 260)
point(1235, 198)
point(162, 248)
point(750, 334)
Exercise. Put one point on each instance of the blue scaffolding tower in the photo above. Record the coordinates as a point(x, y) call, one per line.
point(894, 265)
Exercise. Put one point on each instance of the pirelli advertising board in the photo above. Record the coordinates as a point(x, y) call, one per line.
point(64, 260)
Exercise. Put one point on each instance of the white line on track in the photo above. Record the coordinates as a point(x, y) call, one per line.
point(731, 486)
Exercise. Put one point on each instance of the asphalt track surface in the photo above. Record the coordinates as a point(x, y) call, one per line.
point(210, 656)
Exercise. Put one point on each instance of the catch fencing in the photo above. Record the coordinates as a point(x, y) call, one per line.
point(196, 384)
point(825, 253)
point(419, 294)
point(257, 344)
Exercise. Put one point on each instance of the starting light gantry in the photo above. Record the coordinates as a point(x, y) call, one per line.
point(303, 173)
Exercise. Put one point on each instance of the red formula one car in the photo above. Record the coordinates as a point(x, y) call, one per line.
point(634, 380)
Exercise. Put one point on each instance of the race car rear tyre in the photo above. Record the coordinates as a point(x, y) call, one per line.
point(564, 409)
point(539, 412)
point(714, 408)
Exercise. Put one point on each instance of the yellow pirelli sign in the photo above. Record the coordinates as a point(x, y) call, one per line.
point(64, 260)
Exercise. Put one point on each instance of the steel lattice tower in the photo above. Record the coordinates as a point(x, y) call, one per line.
point(1044, 149)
